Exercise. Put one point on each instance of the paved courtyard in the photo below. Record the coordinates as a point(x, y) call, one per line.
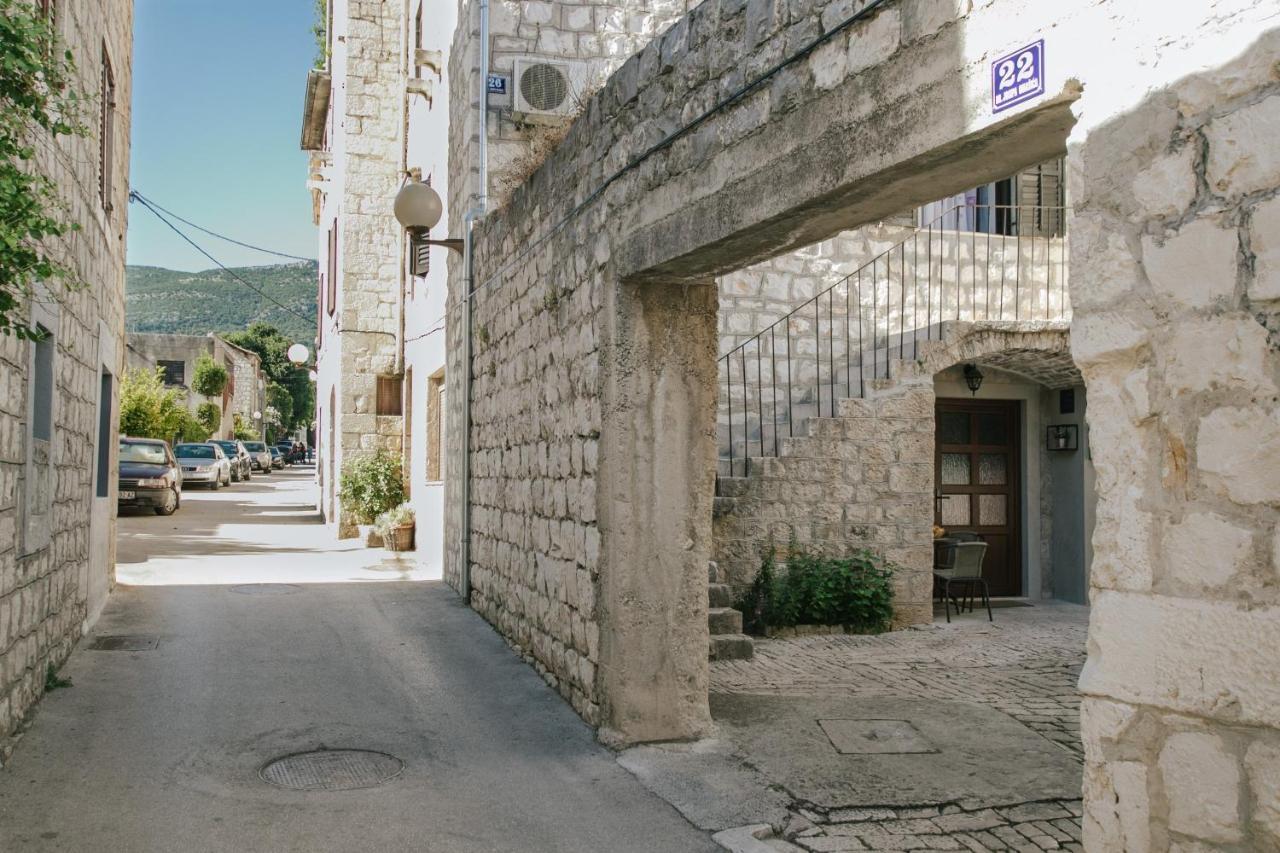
point(1025, 664)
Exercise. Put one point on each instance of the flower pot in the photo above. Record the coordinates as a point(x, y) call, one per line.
point(369, 535)
point(400, 538)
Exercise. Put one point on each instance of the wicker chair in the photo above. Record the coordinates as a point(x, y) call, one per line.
point(963, 569)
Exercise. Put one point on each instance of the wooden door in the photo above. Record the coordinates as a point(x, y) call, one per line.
point(978, 478)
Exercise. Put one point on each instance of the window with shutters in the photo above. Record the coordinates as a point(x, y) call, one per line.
point(435, 427)
point(175, 372)
point(106, 133)
point(390, 400)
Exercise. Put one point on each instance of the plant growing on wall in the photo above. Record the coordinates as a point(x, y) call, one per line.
point(371, 485)
point(855, 592)
point(150, 410)
point(37, 104)
point(209, 379)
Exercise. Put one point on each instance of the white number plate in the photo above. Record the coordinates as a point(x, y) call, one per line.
point(127, 496)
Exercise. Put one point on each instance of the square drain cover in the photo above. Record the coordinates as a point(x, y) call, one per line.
point(125, 643)
point(875, 737)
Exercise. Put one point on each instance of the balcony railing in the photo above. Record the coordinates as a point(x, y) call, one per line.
point(973, 263)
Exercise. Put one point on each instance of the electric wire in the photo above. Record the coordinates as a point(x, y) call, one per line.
point(141, 197)
point(133, 196)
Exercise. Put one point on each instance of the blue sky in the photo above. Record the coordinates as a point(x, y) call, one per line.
point(217, 112)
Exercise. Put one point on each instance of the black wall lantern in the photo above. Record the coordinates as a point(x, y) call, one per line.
point(973, 378)
point(1062, 437)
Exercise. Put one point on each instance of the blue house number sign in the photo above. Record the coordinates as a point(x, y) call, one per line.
point(1017, 77)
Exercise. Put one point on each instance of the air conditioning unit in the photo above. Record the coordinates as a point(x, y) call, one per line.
point(547, 89)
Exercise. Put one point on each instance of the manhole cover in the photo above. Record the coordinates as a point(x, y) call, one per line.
point(332, 770)
point(266, 589)
point(124, 643)
point(875, 737)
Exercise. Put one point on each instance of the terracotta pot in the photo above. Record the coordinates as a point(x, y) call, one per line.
point(400, 538)
point(369, 535)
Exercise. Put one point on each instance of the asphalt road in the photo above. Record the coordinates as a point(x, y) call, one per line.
point(162, 749)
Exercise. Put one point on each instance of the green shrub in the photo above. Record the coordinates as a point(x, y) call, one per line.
point(371, 485)
point(855, 592)
point(210, 416)
point(209, 379)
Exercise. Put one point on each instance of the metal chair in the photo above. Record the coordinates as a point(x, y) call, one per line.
point(966, 572)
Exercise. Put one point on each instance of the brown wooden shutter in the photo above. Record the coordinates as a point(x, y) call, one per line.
point(390, 400)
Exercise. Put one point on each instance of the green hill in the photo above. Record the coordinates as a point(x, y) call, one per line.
point(193, 303)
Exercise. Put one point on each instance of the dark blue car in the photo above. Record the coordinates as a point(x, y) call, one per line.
point(150, 477)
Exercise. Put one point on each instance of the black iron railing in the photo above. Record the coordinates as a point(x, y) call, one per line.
point(972, 263)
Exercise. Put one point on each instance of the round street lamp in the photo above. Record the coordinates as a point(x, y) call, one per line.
point(311, 374)
point(418, 207)
point(257, 416)
point(298, 353)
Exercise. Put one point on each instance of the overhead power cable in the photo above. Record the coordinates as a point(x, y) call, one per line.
point(133, 196)
point(143, 198)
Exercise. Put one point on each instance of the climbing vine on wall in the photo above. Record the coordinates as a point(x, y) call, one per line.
point(38, 103)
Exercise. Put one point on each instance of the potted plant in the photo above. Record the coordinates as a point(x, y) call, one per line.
point(370, 486)
point(396, 527)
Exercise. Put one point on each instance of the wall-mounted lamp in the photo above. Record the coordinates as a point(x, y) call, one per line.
point(418, 209)
point(1062, 437)
point(973, 378)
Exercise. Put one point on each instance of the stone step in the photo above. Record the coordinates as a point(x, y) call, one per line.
point(731, 647)
point(720, 595)
point(724, 620)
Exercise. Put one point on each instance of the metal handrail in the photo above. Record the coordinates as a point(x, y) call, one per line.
point(973, 261)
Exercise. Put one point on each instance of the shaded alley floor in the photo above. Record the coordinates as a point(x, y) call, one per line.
point(161, 749)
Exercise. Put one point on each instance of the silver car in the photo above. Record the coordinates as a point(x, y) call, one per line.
point(259, 456)
point(203, 463)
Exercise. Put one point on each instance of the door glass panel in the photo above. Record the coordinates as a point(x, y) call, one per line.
point(953, 427)
point(992, 429)
point(955, 510)
point(991, 469)
point(955, 469)
point(991, 509)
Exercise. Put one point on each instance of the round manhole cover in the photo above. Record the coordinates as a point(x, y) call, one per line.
point(332, 770)
point(266, 589)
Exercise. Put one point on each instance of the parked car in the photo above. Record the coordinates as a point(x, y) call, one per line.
point(241, 467)
point(203, 463)
point(149, 476)
point(277, 458)
point(290, 452)
point(259, 456)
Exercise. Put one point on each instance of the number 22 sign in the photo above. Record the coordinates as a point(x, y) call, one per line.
point(1017, 77)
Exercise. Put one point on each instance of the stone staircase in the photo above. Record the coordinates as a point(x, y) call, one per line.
point(727, 640)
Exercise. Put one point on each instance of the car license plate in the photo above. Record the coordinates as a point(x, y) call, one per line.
point(127, 496)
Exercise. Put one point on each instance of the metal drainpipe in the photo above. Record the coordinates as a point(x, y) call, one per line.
point(474, 215)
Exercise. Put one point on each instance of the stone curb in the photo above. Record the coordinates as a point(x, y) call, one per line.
point(748, 839)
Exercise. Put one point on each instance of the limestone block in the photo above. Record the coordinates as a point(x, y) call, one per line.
point(1242, 155)
point(1117, 807)
point(875, 41)
point(1214, 87)
point(1207, 658)
point(1205, 549)
point(1262, 762)
point(1168, 186)
point(1219, 352)
point(1201, 782)
point(1264, 240)
point(1100, 244)
point(1195, 266)
point(1237, 451)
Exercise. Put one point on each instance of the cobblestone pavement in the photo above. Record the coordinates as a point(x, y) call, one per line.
point(1025, 664)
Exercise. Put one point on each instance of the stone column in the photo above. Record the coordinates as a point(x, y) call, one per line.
point(657, 479)
point(1175, 273)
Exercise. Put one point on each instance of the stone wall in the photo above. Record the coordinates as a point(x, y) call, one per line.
point(242, 394)
point(863, 479)
point(57, 532)
point(1176, 248)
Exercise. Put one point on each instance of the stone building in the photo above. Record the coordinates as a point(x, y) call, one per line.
point(749, 130)
point(375, 117)
point(58, 396)
point(176, 355)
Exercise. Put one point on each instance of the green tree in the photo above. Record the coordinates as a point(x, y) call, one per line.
point(209, 379)
point(272, 348)
point(37, 104)
point(210, 416)
point(371, 485)
point(150, 410)
point(279, 398)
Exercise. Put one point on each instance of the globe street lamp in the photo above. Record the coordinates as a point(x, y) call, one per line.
point(298, 354)
point(418, 208)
